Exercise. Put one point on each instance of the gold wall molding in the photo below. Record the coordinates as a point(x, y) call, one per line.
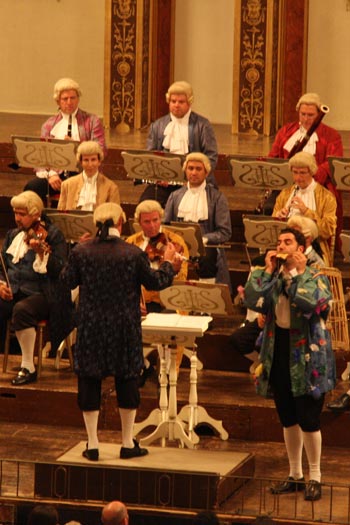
point(128, 34)
point(269, 70)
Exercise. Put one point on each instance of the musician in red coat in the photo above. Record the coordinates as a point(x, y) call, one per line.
point(324, 142)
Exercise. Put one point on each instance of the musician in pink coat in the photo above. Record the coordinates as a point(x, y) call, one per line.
point(324, 142)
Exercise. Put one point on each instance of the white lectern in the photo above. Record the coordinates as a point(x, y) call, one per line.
point(171, 330)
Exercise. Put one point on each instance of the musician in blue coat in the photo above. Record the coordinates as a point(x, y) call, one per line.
point(200, 202)
point(109, 273)
point(180, 131)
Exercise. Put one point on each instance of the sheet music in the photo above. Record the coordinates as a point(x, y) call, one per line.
point(184, 323)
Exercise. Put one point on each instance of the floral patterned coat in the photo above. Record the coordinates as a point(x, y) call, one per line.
point(311, 360)
point(109, 275)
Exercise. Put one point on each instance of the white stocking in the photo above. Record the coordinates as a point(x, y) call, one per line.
point(91, 421)
point(26, 339)
point(127, 416)
point(293, 438)
point(313, 446)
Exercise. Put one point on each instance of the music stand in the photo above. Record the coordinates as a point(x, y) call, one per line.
point(192, 235)
point(153, 167)
point(340, 172)
point(264, 174)
point(46, 153)
point(72, 223)
point(261, 232)
point(174, 329)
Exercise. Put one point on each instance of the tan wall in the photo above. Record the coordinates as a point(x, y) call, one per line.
point(204, 54)
point(44, 40)
point(328, 69)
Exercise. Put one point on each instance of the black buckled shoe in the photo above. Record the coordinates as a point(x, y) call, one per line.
point(24, 377)
point(147, 373)
point(313, 490)
point(90, 454)
point(135, 452)
point(340, 404)
point(289, 485)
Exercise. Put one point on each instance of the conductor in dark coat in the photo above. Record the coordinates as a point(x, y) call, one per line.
point(109, 273)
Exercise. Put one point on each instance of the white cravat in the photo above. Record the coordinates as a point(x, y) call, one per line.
point(59, 131)
point(298, 135)
point(307, 195)
point(176, 134)
point(194, 204)
point(88, 193)
point(18, 249)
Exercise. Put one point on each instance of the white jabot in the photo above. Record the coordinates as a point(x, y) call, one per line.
point(298, 135)
point(176, 134)
point(18, 247)
point(59, 131)
point(88, 193)
point(307, 195)
point(194, 204)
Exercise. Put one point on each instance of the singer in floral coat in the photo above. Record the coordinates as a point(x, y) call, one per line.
point(297, 363)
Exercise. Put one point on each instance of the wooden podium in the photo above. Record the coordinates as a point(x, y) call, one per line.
point(171, 330)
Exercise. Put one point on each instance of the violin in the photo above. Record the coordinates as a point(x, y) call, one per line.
point(155, 250)
point(39, 233)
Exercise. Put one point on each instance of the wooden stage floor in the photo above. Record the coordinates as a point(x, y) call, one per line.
point(41, 422)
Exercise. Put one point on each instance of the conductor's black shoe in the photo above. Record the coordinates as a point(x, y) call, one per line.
point(90, 454)
point(288, 485)
point(135, 452)
point(24, 377)
point(340, 404)
point(146, 373)
point(313, 491)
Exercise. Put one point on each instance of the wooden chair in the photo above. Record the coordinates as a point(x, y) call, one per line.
point(337, 321)
point(39, 348)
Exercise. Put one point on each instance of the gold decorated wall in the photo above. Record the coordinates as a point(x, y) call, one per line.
point(268, 78)
point(127, 64)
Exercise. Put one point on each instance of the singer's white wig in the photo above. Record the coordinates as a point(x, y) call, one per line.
point(303, 160)
point(311, 99)
point(89, 147)
point(28, 200)
point(148, 206)
point(181, 87)
point(65, 84)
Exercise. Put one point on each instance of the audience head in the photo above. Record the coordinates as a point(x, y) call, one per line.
point(180, 98)
point(307, 226)
point(115, 513)
point(206, 517)
point(27, 207)
point(149, 214)
point(196, 167)
point(67, 93)
point(43, 515)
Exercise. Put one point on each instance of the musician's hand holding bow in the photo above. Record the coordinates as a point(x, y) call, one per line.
point(172, 256)
point(5, 292)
